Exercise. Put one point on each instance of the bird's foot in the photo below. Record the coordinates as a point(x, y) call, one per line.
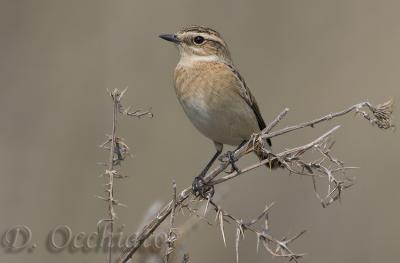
point(201, 188)
point(232, 162)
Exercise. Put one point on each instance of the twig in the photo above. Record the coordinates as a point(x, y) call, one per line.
point(279, 156)
point(149, 228)
point(118, 151)
point(281, 246)
point(111, 172)
point(171, 235)
point(186, 258)
point(381, 117)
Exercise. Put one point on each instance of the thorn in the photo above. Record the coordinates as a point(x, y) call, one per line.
point(206, 208)
point(122, 93)
point(237, 243)
point(221, 225)
point(258, 241)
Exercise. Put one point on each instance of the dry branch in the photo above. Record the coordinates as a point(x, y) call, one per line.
point(118, 151)
point(171, 234)
point(293, 160)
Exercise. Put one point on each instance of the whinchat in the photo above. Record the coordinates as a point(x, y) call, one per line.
point(211, 91)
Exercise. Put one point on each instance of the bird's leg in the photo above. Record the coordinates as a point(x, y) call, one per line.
point(231, 157)
point(231, 160)
point(199, 187)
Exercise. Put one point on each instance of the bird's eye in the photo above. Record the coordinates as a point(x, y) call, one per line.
point(198, 40)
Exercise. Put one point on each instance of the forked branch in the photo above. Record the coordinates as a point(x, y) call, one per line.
point(325, 166)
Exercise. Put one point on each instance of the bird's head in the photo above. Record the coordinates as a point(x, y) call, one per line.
point(199, 43)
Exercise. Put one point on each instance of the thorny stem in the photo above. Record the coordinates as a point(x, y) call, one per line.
point(118, 151)
point(111, 173)
point(381, 116)
point(149, 228)
point(281, 248)
point(171, 235)
point(312, 123)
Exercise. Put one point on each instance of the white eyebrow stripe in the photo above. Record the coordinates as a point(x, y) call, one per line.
point(212, 37)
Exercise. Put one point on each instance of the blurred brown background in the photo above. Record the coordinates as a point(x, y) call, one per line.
point(57, 58)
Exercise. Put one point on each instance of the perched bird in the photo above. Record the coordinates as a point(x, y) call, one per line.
point(211, 91)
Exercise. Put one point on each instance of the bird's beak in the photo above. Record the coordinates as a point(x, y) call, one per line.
point(170, 37)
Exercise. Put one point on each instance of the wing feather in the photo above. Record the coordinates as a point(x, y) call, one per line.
point(249, 98)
